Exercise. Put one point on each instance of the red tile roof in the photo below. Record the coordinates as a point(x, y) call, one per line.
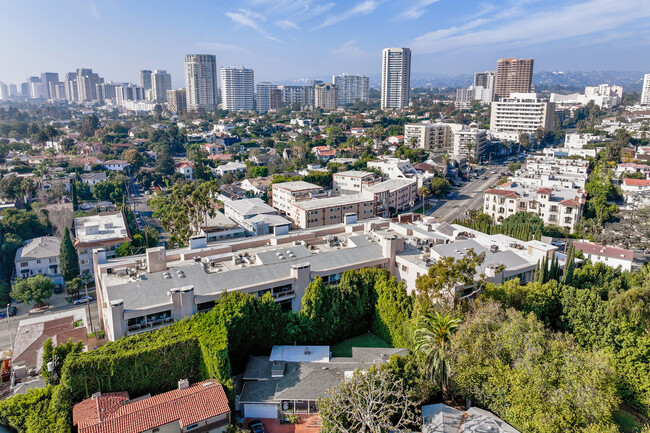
point(604, 251)
point(570, 202)
point(636, 182)
point(112, 413)
point(503, 192)
point(545, 191)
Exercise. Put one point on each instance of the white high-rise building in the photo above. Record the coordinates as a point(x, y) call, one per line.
point(71, 90)
point(4, 91)
point(161, 82)
point(237, 89)
point(395, 77)
point(645, 93)
point(521, 113)
point(145, 79)
point(201, 81)
point(263, 96)
point(352, 88)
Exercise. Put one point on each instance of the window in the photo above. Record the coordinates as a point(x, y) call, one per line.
point(191, 427)
point(24, 264)
point(38, 261)
point(404, 268)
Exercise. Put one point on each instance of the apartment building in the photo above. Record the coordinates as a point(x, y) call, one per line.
point(353, 181)
point(394, 168)
point(286, 193)
point(393, 195)
point(177, 101)
point(263, 96)
point(237, 89)
point(144, 292)
point(521, 113)
point(107, 230)
point(332, 210)
point(645, 91)
point(39, 256)
point(161, 82)
point(604, 95)
point(201, 81)
point(513, 76)
point(395, 78)
point(469, 143)
point(326, 96)
point(351, 88)
point(555, 206)
point(431, 136)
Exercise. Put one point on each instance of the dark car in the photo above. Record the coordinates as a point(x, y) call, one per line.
point(256, 426)
point(13, 311)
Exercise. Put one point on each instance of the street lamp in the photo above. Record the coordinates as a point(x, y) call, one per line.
point(11, 337)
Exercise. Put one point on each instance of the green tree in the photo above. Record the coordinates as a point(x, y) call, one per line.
point(439, 186)
point(432, 337)
point(372, 401)
point(444, 278)
point(258, 171)
point(33, 289)
point(57, 356)
point(68, 260)
point(570, 265)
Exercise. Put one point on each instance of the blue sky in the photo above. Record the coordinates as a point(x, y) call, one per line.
point(293, 39)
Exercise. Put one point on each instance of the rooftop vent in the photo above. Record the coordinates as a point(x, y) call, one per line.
point(307, 351)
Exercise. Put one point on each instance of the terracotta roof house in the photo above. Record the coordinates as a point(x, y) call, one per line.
point(201, 407)
point(30, 336)
point(610, 256)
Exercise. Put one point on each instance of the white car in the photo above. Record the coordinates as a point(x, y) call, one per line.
point(82, 300)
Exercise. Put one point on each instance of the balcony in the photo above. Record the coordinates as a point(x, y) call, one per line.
point(149, 326)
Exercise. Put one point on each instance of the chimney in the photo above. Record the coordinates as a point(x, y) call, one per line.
point(183, 384)
point(156, 259)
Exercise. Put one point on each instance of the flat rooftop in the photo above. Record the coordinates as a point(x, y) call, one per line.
point(339, 200)
point(104, 228)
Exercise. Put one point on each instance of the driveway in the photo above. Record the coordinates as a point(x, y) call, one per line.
point(306, 424)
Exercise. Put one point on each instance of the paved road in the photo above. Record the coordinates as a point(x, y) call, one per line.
point(138, 201)
point(468, 197)
point(57, 303)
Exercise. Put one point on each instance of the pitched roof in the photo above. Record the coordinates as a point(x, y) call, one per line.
point(39, 248)
point(251, 206)
point(570, 202)
point(636, 182)
point(604, 251)
point(503, 192)
point(545, 191)
point(440, 418)
point(112, 413)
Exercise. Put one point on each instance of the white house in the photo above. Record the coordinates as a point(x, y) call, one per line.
point(93, 178)
point(231, 167)
point(186, 168)
point(115, 165)
point(611, 256)
point(39, 256)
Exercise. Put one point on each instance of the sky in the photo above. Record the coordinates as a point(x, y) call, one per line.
point(285, 40)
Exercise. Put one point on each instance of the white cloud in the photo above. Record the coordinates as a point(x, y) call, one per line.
point(364, 8)
point(287, 24)
point(416, 10)
point(219, 46)
point(592, 17)
point(249, 18)
point(350, 50)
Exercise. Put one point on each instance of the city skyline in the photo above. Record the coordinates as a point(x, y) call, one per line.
point(303, 39)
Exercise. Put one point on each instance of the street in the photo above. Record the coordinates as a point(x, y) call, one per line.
point(467, 197)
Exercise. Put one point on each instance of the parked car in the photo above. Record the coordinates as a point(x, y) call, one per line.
point(13, 311)
point(256, 426)
point(82, 300)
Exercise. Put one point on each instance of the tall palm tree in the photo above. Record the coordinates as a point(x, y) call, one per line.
point(424, 192)
point(432, 340)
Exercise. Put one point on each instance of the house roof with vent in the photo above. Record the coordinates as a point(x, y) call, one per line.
point(39, 248)
point(304, 380)
point(604, 251)
point(115, 413)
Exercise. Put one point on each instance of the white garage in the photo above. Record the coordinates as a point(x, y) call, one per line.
point(261, 411)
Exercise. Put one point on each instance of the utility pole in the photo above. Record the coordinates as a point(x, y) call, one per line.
point(11, 337)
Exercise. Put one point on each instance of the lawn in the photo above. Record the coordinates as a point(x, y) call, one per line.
point(344, 348)
point(629, 420)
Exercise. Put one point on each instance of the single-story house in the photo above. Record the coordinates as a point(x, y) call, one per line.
point(292, 378)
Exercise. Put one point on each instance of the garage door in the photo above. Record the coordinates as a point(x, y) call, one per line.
point(261, 411)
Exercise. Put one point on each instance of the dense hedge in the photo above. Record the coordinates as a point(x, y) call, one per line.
point(215, 344)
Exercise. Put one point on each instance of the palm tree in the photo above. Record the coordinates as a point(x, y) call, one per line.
point(424, 192)
point(432, 340)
